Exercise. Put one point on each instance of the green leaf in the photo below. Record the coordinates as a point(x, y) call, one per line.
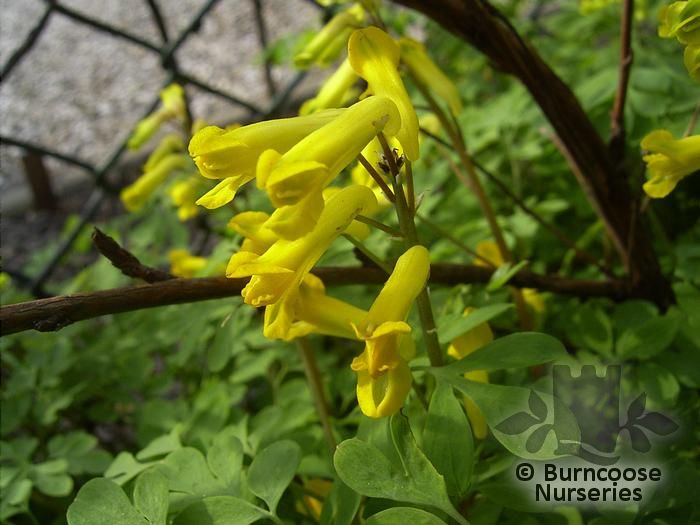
point(101, 501)
point(151, 497)
point(124, 468)
point(447, 440)
point(51, 478)
point(451, 330)
point(500, 403)
point(272, 470)
point(592, 329)
point(161, 445)
point(341, 505)
point(648, 339)
point(658, 383)
point(503, 274)
point(403, 515)
point(225, 458)
point(517, 350)
point(366, 470)
point(220, 510)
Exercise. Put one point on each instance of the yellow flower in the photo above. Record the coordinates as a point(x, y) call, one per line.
point(334, 92)
point(421, 66)
point(251, 226)
point(135, 195)
point(233, 154)
point(170, 143)
point(184, 264)
point(172, 106)
point(316, 490)
point(681, 20)
point(296, 178)
point(383, 376)
point(317, 313)
point(691, 59)
point(374, 56)
point(327, 44)
point(669, 161)
point(278, 273)
point(461, 347)
point(184, 196)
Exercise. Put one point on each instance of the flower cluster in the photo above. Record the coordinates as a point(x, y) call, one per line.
point(297, 163)
point(681, 20)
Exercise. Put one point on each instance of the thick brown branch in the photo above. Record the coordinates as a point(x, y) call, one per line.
point(482, 25)
point(126, 261)
point(54, 313)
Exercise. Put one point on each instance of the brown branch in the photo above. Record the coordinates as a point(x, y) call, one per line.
point(54, 313)
point(125, 261)
point(617, 124)
point(483, 26)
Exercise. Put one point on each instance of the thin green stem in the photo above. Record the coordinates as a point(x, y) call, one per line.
point(410, 189)
point(408, 227)
point(368, 253)
point(379, 225)
point(313, 376)
point(447, 235)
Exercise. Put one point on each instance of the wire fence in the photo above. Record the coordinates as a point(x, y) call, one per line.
point(167, 50)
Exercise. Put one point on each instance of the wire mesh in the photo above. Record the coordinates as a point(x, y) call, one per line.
point(169, 45)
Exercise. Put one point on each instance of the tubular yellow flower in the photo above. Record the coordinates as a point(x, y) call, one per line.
point(233, 154)
point(171, 143)
point(691, 59)
point(251, 225)
point(278, 273)
point(374, 56)
point(172, 106)
point(184, 264)
point(681, 20)
point(318, 158)
point(383, 377)
point(669, 161)
point(421, 66)
point(184, 195)
point(327, 44)
point(461, 347)
point(317, 313)
point(134, 196)
point(334, 92)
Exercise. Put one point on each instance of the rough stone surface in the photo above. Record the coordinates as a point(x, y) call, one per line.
point(79, 91)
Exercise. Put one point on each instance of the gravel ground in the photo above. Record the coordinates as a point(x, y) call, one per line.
point(80, 91)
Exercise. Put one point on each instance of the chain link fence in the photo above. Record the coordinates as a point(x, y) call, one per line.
point(270, 97)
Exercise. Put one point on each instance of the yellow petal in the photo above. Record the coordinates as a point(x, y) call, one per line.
point(488, 250)
point(467, 343)
point(144, 130)
point(384, 395)
point(406, 281)
point(184, 264)
point(314, 161)
point(333, 92)
point(327, 44)
point(223, 192)
point(414, 55)
point(691, 59)
point(374, 56)
point(220, 153)
point(171, 143)
point(135, 195)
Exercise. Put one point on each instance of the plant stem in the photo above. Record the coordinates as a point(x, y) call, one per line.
point(379, 225)
point(377, 177)
point(313, 376)
point(368, 253)
point(408, 227)
point(474, 184)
